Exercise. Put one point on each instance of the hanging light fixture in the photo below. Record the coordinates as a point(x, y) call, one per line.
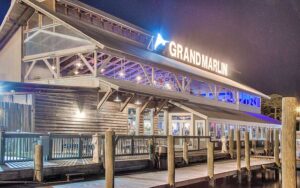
point(137, 102)
point(117, 99)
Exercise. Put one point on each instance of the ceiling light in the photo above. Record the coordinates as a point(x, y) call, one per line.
point(78, 64)
point(138, 78)
point(102, 70)
point(76, 72)
point(138, 102)
point(53, 67)
point(117, 99)
point(121, 74)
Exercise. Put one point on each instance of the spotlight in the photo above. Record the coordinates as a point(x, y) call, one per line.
point(138, 78)
point(117, 99)
point(78, 64)
point(121, 74)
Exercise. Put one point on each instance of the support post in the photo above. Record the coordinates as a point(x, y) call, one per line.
point(267, 143)
point(38, 163)
point(231, 143)
point(224, 144)
point(151, 151)
point(254, 146)
point(2, 147)
point(210, 162)
point(109, 158)
point(238, 154)
point(289, 178)
point(247, 155)
point(171, 161)
point(96, 141)
point(185, 151)
point(276, 148)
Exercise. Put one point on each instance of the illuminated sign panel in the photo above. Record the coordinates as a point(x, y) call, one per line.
point(185, 54)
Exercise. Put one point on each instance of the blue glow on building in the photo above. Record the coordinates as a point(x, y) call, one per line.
point(248, 99)
point(159, 41)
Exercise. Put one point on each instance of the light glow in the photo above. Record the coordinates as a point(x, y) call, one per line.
point(80, 114)
point(298, 109)
point(76, 72)
point(121, 74)
point(159, 41)
point(78, 64)
point(138, 78)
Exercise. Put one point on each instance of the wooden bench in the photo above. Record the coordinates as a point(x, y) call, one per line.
point(75, 175)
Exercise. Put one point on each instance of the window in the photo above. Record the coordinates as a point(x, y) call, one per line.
point(132, 121)
point(148, 122)
point(161, 127)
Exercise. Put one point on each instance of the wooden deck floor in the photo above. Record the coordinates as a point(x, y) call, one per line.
point(184, 176)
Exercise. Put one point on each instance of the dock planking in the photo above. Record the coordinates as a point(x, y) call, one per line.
point(183, 176)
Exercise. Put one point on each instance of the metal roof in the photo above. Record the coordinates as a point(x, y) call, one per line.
point(131, 50)
point(229, 114)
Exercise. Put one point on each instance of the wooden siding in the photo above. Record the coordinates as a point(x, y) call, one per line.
point(58, 113)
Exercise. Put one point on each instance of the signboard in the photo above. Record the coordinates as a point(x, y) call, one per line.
point(185, 54)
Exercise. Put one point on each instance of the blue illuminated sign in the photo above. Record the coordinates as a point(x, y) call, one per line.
point(159, 41)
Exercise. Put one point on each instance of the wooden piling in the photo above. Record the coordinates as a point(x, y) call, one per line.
point(38, 163)
point(109, 158)
point(247, 155)
point(151, 151)
point(254, 146)
point(231, 143)
point(289, 178)
point(210, 162)
point(171, 161)
point(185, 152)
point(276, 148)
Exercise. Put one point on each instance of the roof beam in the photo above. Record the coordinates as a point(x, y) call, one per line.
point(86, 63)
point(50, 68)
point(123, 106)
point(104, 98)
point(29, 70)
point(161, 106)
point(146, 104)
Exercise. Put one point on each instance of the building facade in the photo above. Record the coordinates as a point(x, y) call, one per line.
point(68, 67)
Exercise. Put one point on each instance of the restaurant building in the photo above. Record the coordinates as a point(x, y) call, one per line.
point(67, 67)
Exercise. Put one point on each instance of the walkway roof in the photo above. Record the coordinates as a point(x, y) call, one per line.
point(115, 44)
point(219, 113)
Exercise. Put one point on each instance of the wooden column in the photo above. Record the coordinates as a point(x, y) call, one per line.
point(267, 143)
point(171, 161)
point(289, 142)
point(247, 155)
point(38, 163)
point(185, 152)
point(96, 140)
point(276, 148)
point(109, 158)
point(210, 162)
point(238, 154)
point(231, 143)
point(254, 146)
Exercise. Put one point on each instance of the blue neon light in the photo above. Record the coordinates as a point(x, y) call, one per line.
point(159, 41)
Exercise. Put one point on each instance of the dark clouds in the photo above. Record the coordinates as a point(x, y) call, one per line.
point(260, 39)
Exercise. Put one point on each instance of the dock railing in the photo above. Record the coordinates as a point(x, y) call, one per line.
point(18, 147)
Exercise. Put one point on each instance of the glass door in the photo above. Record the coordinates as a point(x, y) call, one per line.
point(200, 127)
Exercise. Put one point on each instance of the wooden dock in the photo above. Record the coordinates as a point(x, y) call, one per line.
point(183, 176)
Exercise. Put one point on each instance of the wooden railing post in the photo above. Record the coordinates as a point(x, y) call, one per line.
point(185, 151)
point(109, 158)
point(97, 148)
point(289, 177)
point(210, 162)
point(238, 154)
point(247, 155)
point(171, 161)
point(231, 143)
point(38, 163)
point(2, 147)
point(276, 148)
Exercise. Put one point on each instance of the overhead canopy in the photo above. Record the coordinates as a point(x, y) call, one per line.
point(213, 112)
point(125, 47)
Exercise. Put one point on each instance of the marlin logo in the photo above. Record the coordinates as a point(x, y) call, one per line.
point(159, 41)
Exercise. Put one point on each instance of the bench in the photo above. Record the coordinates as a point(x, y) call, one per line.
point(70, 175)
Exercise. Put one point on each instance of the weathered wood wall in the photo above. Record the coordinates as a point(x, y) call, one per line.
point(59, 113)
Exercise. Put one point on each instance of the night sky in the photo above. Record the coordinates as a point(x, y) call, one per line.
point(259, 39)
